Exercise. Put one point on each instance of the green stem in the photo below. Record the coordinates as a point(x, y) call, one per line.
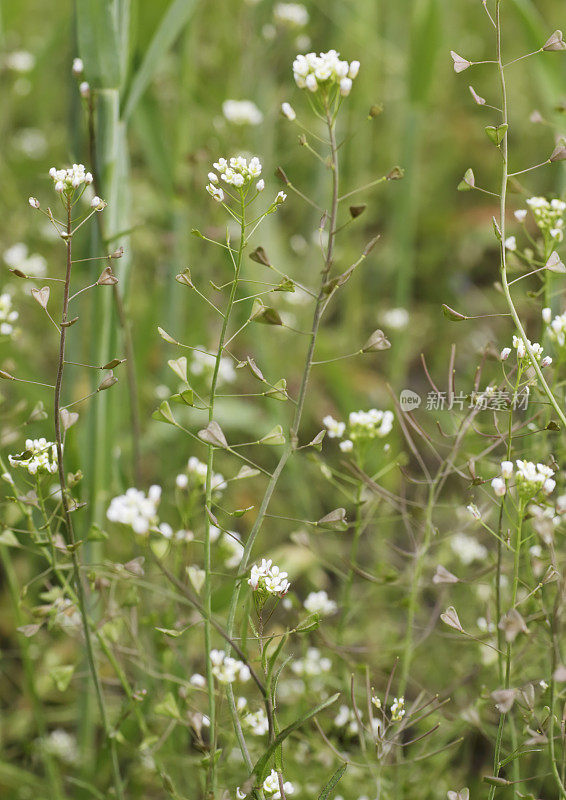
point(71, 538)
point(207, 591)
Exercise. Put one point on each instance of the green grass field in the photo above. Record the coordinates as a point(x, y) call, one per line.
point(343, 352)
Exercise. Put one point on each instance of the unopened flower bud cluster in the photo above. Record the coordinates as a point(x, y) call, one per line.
point(42, 457)
point(237, 172)
point(530, 478)
point(325, 71)
point(67, 180)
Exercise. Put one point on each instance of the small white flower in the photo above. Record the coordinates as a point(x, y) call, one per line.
point(84, 89)
point(182, 481)
point(34, 202)
point(97, 203)
point(215, 192)
point(78, 66)
point(546, 362)
point(294, 15)
point(521, 214)
point(511, 243)
point(346, 446)
point(242, 112)
point(467, 548)
point(260, 185)
point(319, 602)
point(281, 197)
point(335, 429)
point(345, 86)
point(136, 510)
point(547, 315)
point(498, 486)
point(198, 680)
point(505, 353)
point(507, 469)
point(288, 111)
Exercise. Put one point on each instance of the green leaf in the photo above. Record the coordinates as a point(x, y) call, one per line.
point(261, 765)
point(62, 676)
point(179, 367)
point(278, 390)
point(324, 795)
point(310, 623)
point(496, 134)
point(102, 26)
point(170, 27)
point(168, 707)
point(9, 539)
point(455, 316)
point(186, 396)
point(164, 414)
point(275, 436)
point(265, 314)
point(468, 181)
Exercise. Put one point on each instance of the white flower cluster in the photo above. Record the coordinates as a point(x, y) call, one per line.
point(18, 257)
point(203, 364)
point(320, 603)
point(67, 180)
point(335, 429)
point(227, 669)
point(7, 315)
point(370, 424)
point(519, 346)
point(467, 548)
point(242, 112)
point(135, 509)
point(21, 61)
point(62, 745)
point(255, 721)
point(198, 470)
point(362, 425)
point(549, 215)
point(398, 709)
point(40, 456)
point(269, 578)
point(294, 15)
point(556, 327)
point(237, 172)
point(271, 786)
point(530, 478)
point(312, 665)
point(324, 71)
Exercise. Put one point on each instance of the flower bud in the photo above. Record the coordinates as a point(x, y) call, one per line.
point(288, 111)
point(345, 86)
point(34, 202)
point(547, 315)
point(78, 66)
point(260, 185)
point(507, 469)
point(505, 353)
point(84, 89)
point(546, 362)
point(498, 486)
